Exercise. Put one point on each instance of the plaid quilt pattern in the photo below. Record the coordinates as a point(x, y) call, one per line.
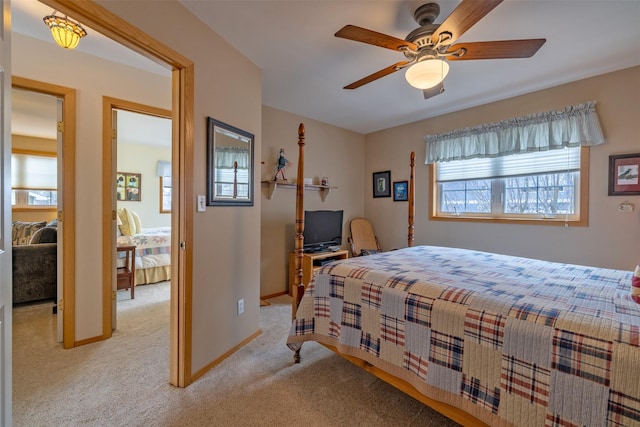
point(525, 379)
point(582, 356)
point(494, 335)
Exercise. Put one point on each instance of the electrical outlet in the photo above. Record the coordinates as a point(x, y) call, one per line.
point(240, 306)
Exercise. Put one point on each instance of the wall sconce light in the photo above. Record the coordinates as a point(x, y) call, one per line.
point(64, 31)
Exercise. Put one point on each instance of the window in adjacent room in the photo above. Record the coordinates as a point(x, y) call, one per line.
point(165, 194)
point(34, 180)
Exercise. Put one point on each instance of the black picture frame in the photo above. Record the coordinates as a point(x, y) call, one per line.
point(624, 175)
point(382, 184)
point(400, 191)
point(229, 182)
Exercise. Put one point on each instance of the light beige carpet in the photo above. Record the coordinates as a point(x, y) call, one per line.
point(124, 381)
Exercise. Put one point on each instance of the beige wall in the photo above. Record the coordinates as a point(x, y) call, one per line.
point(143, 159)
point(92, 78)
point(226, 248)
point(611, 240)
point(333, 152)
point(227, 87)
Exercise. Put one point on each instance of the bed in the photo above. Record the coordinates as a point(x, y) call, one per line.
point(485, 339)
point(153, 248)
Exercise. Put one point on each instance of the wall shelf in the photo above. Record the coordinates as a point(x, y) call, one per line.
point(325, 190)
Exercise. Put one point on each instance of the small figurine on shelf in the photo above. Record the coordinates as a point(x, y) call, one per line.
point(282, 163)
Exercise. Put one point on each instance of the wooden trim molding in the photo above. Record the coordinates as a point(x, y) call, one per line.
point(68, 214)
point(114, 27)
point(560, 220)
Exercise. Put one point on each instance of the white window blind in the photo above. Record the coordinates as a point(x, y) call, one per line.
point(34, 172)
point(564, 160)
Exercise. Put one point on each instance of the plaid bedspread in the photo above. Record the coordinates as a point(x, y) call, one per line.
point(512, 341)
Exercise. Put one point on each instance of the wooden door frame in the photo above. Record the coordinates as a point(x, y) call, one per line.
point(109, 162)
point(68, 195)
point(117, 29)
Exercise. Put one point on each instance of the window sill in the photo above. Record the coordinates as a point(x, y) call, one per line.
point(557, 221)
point(34, 209)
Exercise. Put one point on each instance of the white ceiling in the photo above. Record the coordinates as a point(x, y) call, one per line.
point(304, 67)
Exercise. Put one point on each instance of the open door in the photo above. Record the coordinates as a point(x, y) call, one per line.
point(114, 284)
point(5, 215)
point(60, 225)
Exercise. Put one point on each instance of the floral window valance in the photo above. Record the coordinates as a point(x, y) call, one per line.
point(575, 126)
point(225, 156)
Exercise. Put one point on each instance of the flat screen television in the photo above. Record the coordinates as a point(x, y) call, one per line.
point(322, 230)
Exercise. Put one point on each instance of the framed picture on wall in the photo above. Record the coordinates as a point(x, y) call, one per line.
point(400, 190)
point(623, 175)
point(382, 184)
point(128, 186)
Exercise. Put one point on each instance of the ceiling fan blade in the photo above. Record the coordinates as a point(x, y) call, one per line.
point(431, 92)
point(375, 76)
point(497, 49)
point(363, 35)
point(465, 16)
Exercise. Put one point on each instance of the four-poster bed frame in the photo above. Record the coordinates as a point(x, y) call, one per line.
point(483, 338)
point(298, 291)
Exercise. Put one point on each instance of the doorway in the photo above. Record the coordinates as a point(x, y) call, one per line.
point(110, 25)
point(65, 214)
point(141, 143)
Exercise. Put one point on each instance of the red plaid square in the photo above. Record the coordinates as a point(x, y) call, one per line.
point(334, 330)
point(623, 410)
point(458, 295)
point(525, 379)
point(371, 295)
point(358, 272)
point(321, 307)
point(416, 364)
point(484, 328)
point(392, 329)
point(629, 334)
point(400, 283)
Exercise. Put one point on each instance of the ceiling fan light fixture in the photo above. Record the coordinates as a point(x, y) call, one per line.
point(65, 32)
point(427, 74)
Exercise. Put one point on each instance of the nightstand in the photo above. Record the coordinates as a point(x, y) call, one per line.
point(126, 275)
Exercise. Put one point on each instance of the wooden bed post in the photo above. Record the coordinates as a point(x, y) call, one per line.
point(298, 288)
point(412, 197)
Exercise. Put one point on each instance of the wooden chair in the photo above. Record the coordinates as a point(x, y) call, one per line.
point(363, 240)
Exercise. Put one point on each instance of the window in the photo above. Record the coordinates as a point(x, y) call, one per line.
point(165, 194)
point(34, 180)
point(533, 168)
point(542, 186)
point(228, 179)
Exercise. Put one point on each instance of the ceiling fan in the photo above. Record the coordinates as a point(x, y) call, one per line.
point(429, 47)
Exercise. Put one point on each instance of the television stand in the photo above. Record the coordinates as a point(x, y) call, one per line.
point(311, 261)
